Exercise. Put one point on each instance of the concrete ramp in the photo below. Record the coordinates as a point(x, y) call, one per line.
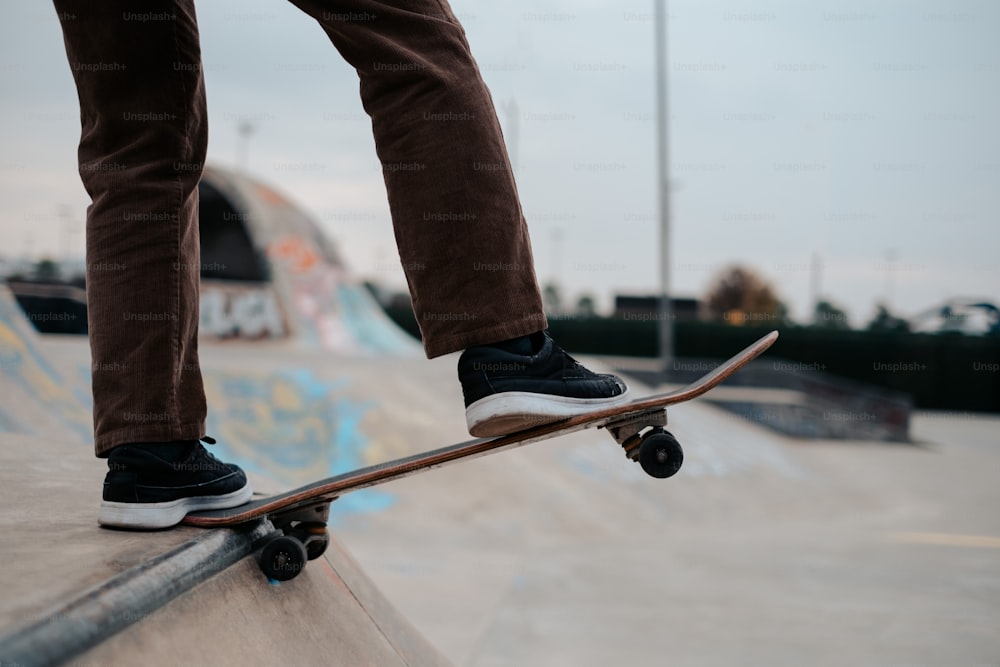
point(763, 550)
point(183, 596)
point(38, 397)
point(330, 615)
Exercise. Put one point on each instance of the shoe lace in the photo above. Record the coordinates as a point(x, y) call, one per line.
point(208, 440)
point(570, 363)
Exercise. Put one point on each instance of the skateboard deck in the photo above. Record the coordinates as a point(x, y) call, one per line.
point(301, 514)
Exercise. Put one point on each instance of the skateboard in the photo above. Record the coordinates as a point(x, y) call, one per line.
point(299, 516)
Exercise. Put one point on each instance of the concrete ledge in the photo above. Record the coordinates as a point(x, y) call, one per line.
point(68, 630)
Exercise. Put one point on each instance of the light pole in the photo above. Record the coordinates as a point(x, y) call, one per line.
point(245, 130)
point(890, 266)
point(665, 316)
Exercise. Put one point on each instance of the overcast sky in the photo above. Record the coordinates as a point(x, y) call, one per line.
point(862, 133)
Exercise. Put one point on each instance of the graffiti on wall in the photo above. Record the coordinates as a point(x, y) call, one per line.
point(297, 254)
point(334, 312)
point(24, 366)
point(294, 428)
point(240, 312)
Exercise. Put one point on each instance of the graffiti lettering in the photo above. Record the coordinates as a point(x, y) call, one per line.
point(253, 313)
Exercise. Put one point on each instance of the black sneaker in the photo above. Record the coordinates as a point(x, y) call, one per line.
point(153, 485)
point(529, 381)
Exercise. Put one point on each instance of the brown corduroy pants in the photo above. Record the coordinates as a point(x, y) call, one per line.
point(458, 223)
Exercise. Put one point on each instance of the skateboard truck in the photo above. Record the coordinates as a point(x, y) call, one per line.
point(655, 449)
point(300, 535)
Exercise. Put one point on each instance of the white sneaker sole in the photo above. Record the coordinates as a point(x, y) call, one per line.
point(509, 412)
point(164, 515)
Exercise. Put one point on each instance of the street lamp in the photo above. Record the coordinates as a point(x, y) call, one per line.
point(245, 130)
point(665, 315)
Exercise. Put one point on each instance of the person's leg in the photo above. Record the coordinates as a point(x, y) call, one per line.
point(142, 147)
point(457, 218)
point(459, 227)
point(143, 141)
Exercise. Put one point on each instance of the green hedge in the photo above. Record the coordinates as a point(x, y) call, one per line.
point(940, 371)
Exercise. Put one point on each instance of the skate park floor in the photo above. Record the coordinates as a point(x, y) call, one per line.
point(762, 550)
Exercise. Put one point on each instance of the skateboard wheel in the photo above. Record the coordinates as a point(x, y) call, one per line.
point(314, 536)
point(317, 547)
point(283, 558)
point(660, 455)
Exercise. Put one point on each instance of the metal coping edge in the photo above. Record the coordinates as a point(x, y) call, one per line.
point(70, 629)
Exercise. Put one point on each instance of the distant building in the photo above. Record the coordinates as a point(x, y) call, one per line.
point(647, 307)
point(965, 316)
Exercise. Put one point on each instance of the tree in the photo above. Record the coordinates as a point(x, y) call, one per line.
point(828, 316)
point(585, 308)
point(552, 299)
point(739, 295)
point(46, 269)
point(886, 321)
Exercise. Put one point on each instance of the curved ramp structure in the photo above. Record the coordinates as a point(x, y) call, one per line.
point(38, 398)
point(268, 271)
